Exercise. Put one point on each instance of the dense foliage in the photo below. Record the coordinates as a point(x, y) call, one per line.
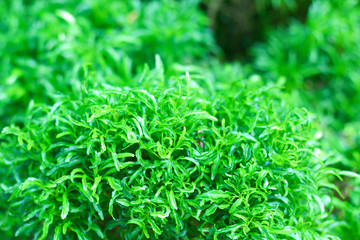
point(44, 44)
point(320, 62)
point(100, 138)
point(168, 162)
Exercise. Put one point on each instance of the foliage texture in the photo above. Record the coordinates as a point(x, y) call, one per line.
point(166, 163)
point(319, 61)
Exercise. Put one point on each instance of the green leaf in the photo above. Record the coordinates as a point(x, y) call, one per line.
point(65, 206)
point(98, 210)
point(155, 227)
point(98, 231)
point(211, 210)
point(45, 229)
point(57, 233)
point(123, 202)
point(172, 199)
point(215, 167)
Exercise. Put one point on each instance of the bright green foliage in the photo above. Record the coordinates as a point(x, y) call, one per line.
point(44, 44)
point(168, 163)
point(130, 153)
point(320, 62)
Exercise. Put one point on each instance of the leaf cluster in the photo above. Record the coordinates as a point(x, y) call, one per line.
point(44, 44)
point(167, 163)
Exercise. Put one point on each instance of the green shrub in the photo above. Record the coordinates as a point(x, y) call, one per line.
point(168, 162)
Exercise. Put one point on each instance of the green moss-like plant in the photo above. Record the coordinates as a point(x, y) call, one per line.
point(167, 162)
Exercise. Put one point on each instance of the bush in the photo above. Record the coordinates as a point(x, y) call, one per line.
point(166, 163)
